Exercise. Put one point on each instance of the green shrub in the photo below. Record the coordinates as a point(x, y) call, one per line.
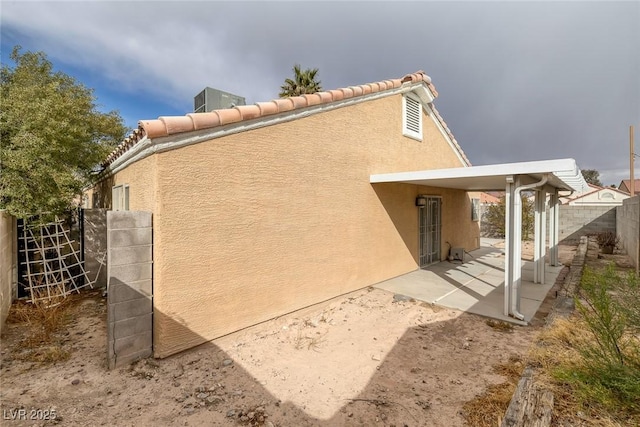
point(609, 374)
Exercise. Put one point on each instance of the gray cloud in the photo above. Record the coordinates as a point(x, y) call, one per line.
point(517, 81)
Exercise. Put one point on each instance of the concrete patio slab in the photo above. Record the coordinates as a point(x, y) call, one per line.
point(475, 286)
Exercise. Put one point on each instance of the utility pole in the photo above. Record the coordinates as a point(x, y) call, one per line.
point(632, 188)
point(632, 182)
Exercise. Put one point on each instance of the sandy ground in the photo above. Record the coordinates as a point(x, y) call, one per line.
point(363, 359)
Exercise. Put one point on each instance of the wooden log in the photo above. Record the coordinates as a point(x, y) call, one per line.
point(530, 406)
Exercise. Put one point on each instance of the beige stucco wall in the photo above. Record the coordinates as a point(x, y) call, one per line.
point(8, 260)
point(257, 224)
point(141, 178)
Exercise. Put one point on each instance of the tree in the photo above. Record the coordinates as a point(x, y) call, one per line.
point(51, 134)
point(592, 177)
point(304, 82)
point(493, 220)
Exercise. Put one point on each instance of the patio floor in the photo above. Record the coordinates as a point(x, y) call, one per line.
point(475, 286)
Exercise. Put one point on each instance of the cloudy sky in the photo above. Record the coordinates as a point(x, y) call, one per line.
point(517, 81)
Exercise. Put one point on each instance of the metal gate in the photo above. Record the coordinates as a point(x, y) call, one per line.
point(429, 229)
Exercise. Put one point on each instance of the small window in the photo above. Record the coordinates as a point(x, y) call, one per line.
point(412, 117)
point(120, 197)
point(475, 209)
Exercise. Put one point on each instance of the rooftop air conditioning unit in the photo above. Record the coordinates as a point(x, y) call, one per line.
point(213, 99)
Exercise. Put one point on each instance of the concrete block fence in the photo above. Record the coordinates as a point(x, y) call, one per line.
point(129, 287)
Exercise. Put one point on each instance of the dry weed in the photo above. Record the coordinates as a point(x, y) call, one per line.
point(41, 322)
point(309, 342)
point(500, 325)
point(487, 409)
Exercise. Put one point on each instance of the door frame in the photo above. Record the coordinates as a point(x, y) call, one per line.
point(428, 257)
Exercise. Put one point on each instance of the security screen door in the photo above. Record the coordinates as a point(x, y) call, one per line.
point(430, 224)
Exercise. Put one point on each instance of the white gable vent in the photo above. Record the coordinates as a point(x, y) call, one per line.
point(412, 117)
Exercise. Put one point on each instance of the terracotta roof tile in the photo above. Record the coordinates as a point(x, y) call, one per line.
point(153, 128)
point(312, 99)
point(357, 90)
point(178, 124)
point(248, 112)
point(229, 115)
point(325, 96)
point(627, 184)
point(204, 120)
point(267, 108)
point(170, 125)
point(433, 89)
point(336, 95)
point(347, 92)
point(284, 104)
point(298, 101)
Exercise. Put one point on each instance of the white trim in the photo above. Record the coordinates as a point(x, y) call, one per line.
point(406, 111)
point(146, 146)
point(445, 134)
point(566, 175)
point(121, 202)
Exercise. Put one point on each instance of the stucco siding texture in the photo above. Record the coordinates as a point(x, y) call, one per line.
point(257, 224)
point(141, 178)
point(7, 264)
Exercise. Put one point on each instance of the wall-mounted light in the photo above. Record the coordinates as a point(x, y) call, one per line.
point(421, 201)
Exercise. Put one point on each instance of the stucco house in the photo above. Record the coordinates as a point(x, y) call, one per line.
point(263, 209)
point(595, 195)
point(625, 185)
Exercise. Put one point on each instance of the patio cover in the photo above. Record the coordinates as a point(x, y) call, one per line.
point(546, 177)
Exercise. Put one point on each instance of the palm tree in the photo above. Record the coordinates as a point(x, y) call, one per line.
point(304, 81)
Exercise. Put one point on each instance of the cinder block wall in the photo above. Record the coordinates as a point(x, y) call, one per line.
point(95, 245)
point(576, 221)
point(129, 288)
point(627, 223)
point(8, 259)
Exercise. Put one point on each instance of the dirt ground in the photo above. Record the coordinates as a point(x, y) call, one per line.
point(362, 359)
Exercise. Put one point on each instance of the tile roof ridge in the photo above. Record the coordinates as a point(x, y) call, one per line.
point(171, 125)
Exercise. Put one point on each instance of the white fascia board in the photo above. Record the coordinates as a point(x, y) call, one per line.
point(146, 147)
point(565, 170)
point(424, 94)
point(444, 134)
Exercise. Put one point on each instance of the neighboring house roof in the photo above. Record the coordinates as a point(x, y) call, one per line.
point(488, 197)
point(574, 195)
point(625, 185)
point(173, 125)
point(603, 196)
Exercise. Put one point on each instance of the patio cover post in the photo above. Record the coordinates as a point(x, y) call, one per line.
point(516, 250)
point(553, 227)
point(540, 235)
point(516, 201)
point(509, 242)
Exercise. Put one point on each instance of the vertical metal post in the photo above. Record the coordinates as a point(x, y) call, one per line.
point(553, 228)
point(542, 233)
point(517, 249)
point(632, 181)
point(81, 240)
point(537, 239)
point(508, 244)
